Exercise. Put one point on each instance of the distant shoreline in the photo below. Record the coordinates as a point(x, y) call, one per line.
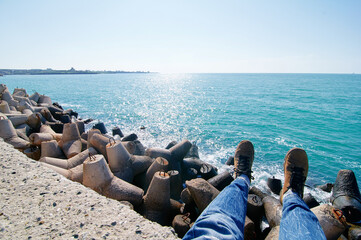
point(50, 71)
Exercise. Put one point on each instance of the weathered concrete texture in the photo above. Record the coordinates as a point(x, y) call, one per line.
point(37, 203)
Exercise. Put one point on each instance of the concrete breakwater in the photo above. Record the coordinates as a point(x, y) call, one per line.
point(150, 180)
point(38, 203)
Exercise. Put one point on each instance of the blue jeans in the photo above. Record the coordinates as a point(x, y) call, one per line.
point(225, 216)
point(298, 222)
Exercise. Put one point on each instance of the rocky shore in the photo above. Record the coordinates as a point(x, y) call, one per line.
point(82, 182)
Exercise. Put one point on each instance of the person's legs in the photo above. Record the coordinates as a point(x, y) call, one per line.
point(225, 216)
point(298, 221)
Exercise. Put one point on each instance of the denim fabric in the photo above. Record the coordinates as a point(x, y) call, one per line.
point(225, 216)
point(298, 222)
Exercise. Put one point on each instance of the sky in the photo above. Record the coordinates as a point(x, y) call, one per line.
point(184, 36)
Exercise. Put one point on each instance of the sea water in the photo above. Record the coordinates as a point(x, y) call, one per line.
point(320, 113)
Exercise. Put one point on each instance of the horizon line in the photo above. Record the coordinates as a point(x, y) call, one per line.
point(160, 72)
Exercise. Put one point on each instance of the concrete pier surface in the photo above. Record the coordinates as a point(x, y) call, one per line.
point(38, 203)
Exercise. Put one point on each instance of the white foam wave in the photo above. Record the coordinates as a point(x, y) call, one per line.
point(69, 105)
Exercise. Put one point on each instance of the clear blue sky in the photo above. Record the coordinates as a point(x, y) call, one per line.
point(322, 36)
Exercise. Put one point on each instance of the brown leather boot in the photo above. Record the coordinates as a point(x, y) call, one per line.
point(243, 159)
point(295, 170)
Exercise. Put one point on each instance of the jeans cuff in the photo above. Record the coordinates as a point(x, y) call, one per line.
point(246, 179)
point(289, 192)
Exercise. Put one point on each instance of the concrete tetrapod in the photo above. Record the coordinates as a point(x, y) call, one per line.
point(75, 174)
point(20, 92)
point(130, 137)
point(90, 133)
point(116, 131)
point(255, 209)
point(249, 229)
point(46, 134)
point(35, 97)
point(101, 127)
point(174, 155)
point(8, 133)
point(4, 107)
point(258, 192)
point(63, 117)
point(47, 115)
point(273, 234)
point(99, 142)
point(327, 187)
point(189, 174)
point(21, 132)
point(27, 112)
point(24, 103)
point(71, 162)
point(192, 210)
point(45, 99)
point(81, 127)
point(140, 164)
point(197, 164)
point(273, 210)
point(70, 142)
point(37, 138)
point(171, 144)
point(221, 180)
point(178, 152)
point(181, 224)
point(51, 149)
point(34, 121)
point(57, 127)
point(158, 152)
point(56, 111)
point(346, 195)
point(47, 129)
point(176, 186)
point(139, 148)
point(6, 95)
point(17, 119)
point(3, 87)
point(332, 221)
point(20, 98)
point(97, 176)
point(84, 144)
point(207, 171)
point(159, 165)
point(202, 192)
point(157, 199)
point(119, 161)
point(193, 152)
point(310, 200)
point(130, 146)
point(27, 105)
point(176, 208)
point(84, 136)
point(275, 185)
point(186, 196)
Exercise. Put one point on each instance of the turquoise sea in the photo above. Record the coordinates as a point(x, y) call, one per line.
point(318, 112)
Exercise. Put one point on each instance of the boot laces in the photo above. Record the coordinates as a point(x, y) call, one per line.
point(243, 167)
point(297, 180)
